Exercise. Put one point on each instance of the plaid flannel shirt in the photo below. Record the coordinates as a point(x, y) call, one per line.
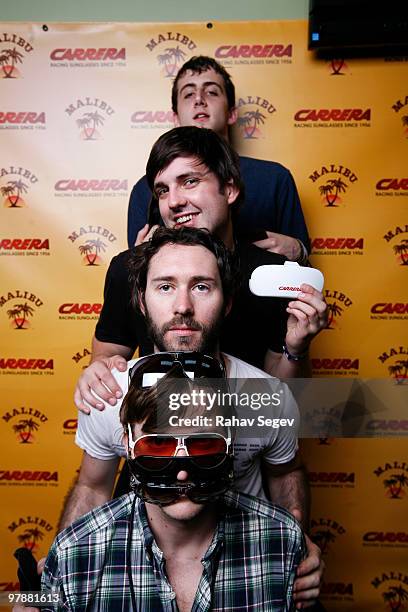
point(250, 564)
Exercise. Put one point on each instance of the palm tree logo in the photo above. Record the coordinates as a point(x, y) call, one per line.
point(24, 429)
point(249, 123)
point(404, 120)
point(12, 193)
point(8, 60)
point(88, 124)
point(395, 485)
point(90, 250)
point(323, 539)
point(336, 66)
point(334, 310)
point(401, 250)
point(394, 597)
point(399, 371)
point(19, 315)
point(30, 538)
point(170, 59)
point(333, 185)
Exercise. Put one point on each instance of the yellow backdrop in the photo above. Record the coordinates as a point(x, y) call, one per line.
point(81, 105)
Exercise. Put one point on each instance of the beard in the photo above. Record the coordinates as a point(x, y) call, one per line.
point(205, 342)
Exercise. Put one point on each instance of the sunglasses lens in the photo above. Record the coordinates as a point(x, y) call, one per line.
point(205, 445)
point(156, 446)
point(153, 464)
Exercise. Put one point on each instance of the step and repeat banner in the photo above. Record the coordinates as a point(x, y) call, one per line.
point(80, 107)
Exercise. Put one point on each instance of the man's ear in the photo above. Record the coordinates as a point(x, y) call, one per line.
point(141, 304)
point(232, 191)
point(176, 120)
point(232, 115)
point(228, 306)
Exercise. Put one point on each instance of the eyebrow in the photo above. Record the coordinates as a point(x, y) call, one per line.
point(195, 279)
point(182, 177)
point(205, 84)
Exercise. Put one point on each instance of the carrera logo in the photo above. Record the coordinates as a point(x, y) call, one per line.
point(250, 117)
point(385, 538)
point(24, 422)
point(37, 367)
point(28, 476)
point(335, 367)
point(333, 180)
point(171, 55)
point(398, 368)
point(30, 530)
point(24, 246)
point(331, 478)
point(401, 247)
point(90, 115)
point(324, 532)
point(384, 426)
point(94, 56)
point(337, 303)
point(289, 289)
point(90, 188)
point(337, 591)
point(281, 54)
point(394, 476)
point(337, 246)
point(397, 107)
point(69, 427)
point(20, 310)
point(394, 587)
point(332, 117)
point(389, 311)
point(12, 48)
point(22, 120)
point(92, 247)
point(392, 187)
point(152, 119)
point(79, 311)
point(16, 182)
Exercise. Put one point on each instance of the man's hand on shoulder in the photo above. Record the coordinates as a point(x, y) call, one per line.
point(309, 577)
point(97, 379)
point(284, 245)
point(307, 317)
point(21, 608)
point(145, 234)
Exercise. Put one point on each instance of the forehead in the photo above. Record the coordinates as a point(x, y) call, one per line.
point(196, 79)
point(180, 167)
point(183, 262)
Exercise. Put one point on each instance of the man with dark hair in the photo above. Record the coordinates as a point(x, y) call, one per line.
point(203, 95)
point(182, 541)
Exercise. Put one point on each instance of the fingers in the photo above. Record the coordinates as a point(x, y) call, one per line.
point(145, 234)
point(40, 566)
point(98, 380)
point(119, 363)
point(310, 571)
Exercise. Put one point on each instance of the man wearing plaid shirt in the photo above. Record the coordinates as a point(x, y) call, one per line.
point(183, 541)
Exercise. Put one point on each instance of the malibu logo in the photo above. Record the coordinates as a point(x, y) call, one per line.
point(30, 530)
point(22, 306)
point(27, 120)
point(253, 111)
point(13, 48)
point(25, 422)
point(335, 366)
point(394, 587)
point(15, 183)
point(80, 356)
point(24, 366)
point(255, 54)
point(337, 246)
point(24, 246)
point(332, 181)
point(90, 188)
point(90, 248)
point(152, 119)
point(332, 479)
point(338, 67)
point(324, 423)
point(400, 247)
point(333, 117)
point(397, 107)
point(386, 539)
point(90, 115)
point(394, 476)
point(398, 368)
point(392, 187)
point(104, 57)
point(69, 427)
point(173, 48)
point(71, 311)
point(324, 532)
point(337, 304)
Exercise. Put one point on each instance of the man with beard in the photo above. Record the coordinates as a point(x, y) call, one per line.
point(184, 281)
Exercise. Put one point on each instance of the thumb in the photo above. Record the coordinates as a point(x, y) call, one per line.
point(119, 363)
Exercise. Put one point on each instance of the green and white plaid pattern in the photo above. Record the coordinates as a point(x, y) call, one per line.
point(250, 564)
